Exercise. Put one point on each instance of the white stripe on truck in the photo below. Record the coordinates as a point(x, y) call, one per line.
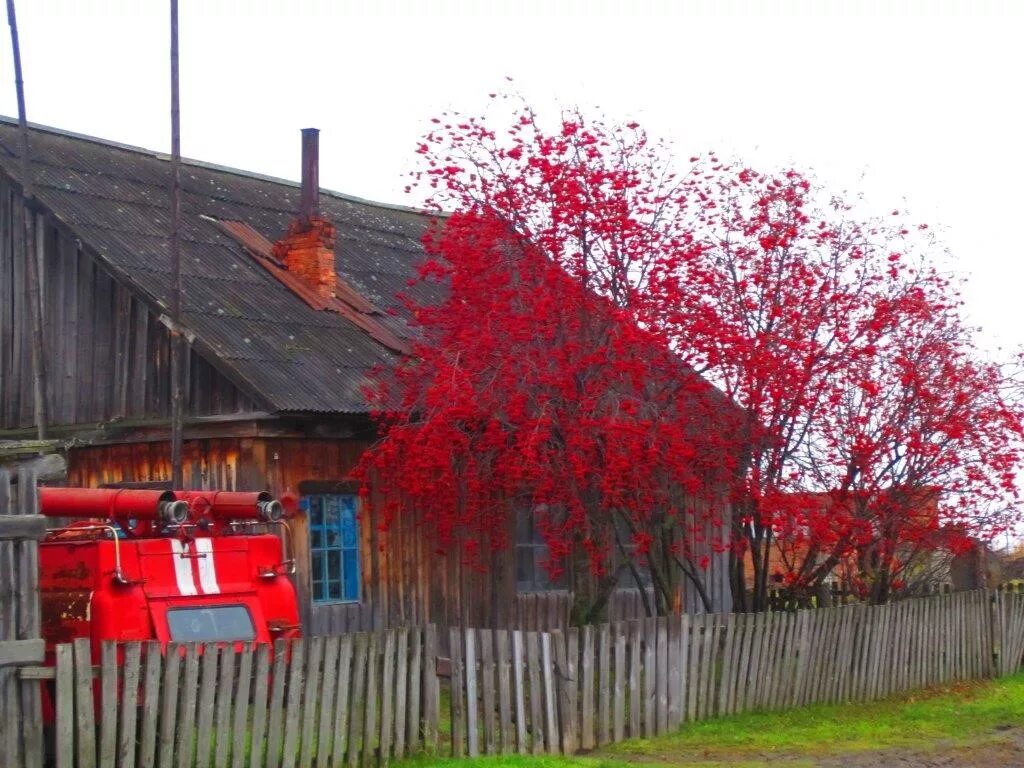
point(207, 567)
point(182, 567)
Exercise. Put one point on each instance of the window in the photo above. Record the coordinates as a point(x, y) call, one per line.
point(220, 622)
point(333, 546)
point(531, 556)
point(626, 577)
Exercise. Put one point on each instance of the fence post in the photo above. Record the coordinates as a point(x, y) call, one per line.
point(21, 527)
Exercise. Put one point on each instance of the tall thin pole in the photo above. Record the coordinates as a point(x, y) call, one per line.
point(177, 474)
point(32, 278)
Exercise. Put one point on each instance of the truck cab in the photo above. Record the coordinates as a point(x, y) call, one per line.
point(171, 566)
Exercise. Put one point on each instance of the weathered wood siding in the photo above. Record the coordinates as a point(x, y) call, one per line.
point(404, 581)
point(108, 355)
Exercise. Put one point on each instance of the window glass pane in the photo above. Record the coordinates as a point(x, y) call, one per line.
point(348, 528)
point(317, 566)
point(523, 525)
point(331, 511)
point(524, 567)
point(334, 593)
point(334, 564)
point(351, 578)
point(222, 622)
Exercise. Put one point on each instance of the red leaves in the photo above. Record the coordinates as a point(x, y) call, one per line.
point(580, 269)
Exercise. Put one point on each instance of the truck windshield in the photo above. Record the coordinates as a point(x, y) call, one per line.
point(219, 622)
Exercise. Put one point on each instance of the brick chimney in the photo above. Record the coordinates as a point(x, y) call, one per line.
point(307, 251)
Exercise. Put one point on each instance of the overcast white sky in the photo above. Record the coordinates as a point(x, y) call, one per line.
point(917, 104)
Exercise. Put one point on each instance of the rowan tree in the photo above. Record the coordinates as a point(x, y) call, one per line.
point(538, 383)
point(594, 296)
point(921, 444)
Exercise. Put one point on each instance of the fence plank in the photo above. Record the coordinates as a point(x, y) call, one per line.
point(519, 690)
point(587, 731)
point(488, 703)
point(312, 686)
point(64, 734)
point(550, 707)
point(387, 698)
point(730, 661)
point(472, 724)
point(108, 702)
point(707, 643)
point(683, 655)
point(635, 648)
point(293, 710)
point(403, 706)
point(431, 689)
point(370, 701)
point(619, 698)
point(225, 698)
point(128, 705)
point(358, 695)
point(242, 707)
point(649, 675)
point(85, 736)
point(188, 733)
point(536, 694)
point(803, 656)
point(569, 699)
point(340, 711)
point(669, 650)
point(758, 678)
point(604, 684)
point(275, 723)
point(150, 703)
point(693, 671)
point(169, 704)
point(261, 690)
point(504, 668)
point(458, 716)
point(327, 704)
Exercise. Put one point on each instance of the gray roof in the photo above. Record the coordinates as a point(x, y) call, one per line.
point(253, 328)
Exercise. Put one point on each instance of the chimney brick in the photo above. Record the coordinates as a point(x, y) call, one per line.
point(307, 251)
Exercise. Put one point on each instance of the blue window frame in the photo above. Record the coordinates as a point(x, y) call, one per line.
point(333, 547)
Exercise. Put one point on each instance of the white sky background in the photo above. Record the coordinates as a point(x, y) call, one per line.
point(917, 105)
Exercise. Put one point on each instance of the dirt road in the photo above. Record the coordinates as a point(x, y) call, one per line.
point(1002, 748)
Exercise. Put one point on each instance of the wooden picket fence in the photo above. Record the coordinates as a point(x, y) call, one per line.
point(530, 692)
point(372, 698)
point(345, 700)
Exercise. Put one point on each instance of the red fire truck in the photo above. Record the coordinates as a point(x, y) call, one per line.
point(165, 565)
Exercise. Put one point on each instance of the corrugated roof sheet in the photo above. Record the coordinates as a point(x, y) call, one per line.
point(264, 336)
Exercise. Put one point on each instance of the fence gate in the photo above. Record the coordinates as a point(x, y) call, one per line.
point(21, 527)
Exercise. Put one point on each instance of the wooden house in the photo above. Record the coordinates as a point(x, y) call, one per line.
point(284, 324)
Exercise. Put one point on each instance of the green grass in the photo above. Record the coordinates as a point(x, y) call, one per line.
point(941, 717)
point(951, 715)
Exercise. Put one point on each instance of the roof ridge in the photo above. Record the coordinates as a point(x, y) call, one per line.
point(163, 156)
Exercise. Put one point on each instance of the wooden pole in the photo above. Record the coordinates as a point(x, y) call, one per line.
point(33, 282)
point(177, 474)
